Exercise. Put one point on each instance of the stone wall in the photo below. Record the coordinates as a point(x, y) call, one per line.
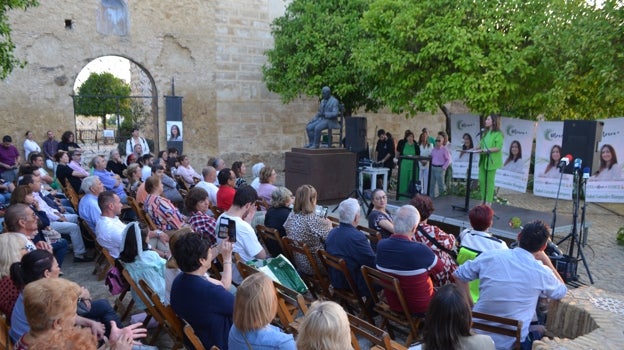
point(213, 50)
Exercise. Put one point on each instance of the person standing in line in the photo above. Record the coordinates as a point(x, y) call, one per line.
point(492, 159)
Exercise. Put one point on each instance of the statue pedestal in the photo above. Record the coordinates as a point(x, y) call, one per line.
point(332, 171)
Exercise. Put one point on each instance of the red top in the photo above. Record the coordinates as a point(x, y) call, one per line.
point(225, 197)
point(8, 296)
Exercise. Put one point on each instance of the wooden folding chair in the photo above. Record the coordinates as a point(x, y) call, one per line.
point(317, 283)
point(71, 195)
point(192, 337)
point(118, 305)
point(335, 221)
point(182, 183)
point(373, 235)
point(216, 211)
point(150, 310)
point(375, 279)
point(173, 325)
point(291, 307)
point(245, 270)
point(272, 238)
point(5, 340)
point(101, 264)
point(349, 297)
point(377, 336)
point(134, 204)
point(499, 325)
point(262, 205)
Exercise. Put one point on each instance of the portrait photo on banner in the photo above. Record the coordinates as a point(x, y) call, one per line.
point(464, 136)
point(548, 154)
point(517, 146)
point(174, 130)
point(606, 183)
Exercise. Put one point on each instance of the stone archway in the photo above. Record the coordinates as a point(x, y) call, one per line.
point(144, 100)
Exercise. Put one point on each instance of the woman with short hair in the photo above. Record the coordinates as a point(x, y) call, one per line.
point(239, 170)
point(12, 248)
point(325, 327)
point(116, 164)
point(428, 234)
point(276, 216)
point(161, 210)
point(268, 175)
point(197, 203)
point(254, 309)
point(379, 218)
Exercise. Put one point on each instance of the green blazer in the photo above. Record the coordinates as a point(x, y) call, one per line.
point(492, 139)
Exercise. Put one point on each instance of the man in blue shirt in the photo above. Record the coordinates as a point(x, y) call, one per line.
point(350, 244)
point(110, 180)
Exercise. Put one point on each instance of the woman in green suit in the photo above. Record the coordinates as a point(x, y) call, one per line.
point(491, 158)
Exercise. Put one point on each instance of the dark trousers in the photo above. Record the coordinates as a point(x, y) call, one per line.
point(101, 311)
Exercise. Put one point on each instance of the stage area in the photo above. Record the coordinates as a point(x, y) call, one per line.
point(454, 221)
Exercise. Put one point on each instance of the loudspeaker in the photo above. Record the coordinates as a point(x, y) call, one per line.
point(581, 139)
point(355, 140)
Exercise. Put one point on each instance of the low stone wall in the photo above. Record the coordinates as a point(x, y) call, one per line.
point(587, 318)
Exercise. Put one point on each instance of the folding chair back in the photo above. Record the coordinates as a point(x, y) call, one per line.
point(349, 297)
point(318, 283)
point(499, 325)
point(377, 336)
point(374, 279)
point(291, 307)
point(272, 239)
point(5, 340)
point(150, 309)
point(173, 325)
point(192, 337)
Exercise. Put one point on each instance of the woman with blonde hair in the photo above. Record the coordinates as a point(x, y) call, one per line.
point(325, 327)
point(12, 248)
point(255, 307)
point(303, 225)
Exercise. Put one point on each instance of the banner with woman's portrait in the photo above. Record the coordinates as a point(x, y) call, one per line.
point(548, 180)
point(464, 131)
point(606, 184)
point(517, 144)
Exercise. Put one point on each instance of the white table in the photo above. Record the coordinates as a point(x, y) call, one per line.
point(374, 172)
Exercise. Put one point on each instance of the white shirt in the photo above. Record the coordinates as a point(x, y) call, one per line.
point(146, 171)
point(30, 146)
point(511, 282)
point(480, 241)
point(109, 232)
point(211, 189)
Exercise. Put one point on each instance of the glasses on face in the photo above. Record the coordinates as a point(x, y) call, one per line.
point(381, 198)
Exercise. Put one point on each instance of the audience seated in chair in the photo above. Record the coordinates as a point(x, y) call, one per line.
point(412, 263)
point(325, 327)
point(208, 307)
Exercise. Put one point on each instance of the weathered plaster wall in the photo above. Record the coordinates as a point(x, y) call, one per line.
point(213, 49)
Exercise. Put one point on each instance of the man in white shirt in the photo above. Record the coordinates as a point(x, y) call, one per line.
point(109, 229)
point(512, 280)
point(210, 176)
point(88, 208)
point(242, 212)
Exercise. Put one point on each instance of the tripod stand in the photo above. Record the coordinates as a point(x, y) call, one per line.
point(554, 211)
point(573, 235)
point(357, 194)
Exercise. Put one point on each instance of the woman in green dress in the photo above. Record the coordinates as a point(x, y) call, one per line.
point(407, 167)
point(491, 158)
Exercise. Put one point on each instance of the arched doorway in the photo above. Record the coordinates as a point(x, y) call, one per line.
point(112, 124)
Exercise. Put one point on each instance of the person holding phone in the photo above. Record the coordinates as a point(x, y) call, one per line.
point(239, 218)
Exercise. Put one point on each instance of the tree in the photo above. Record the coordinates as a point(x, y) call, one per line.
point(7, 60)
point(313, 47)
point(103, 94)
point(516, 57)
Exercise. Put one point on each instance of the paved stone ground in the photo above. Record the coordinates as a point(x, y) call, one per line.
point(602, 253)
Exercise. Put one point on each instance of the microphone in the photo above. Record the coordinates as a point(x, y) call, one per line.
point(481, 132)
point(578, 162)
point(565, 161)
point(586, 172)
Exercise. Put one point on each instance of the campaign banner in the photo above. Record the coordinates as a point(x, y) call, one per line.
point(464, 131)
point(548, 181)
point(607, 183)
point(517, 144)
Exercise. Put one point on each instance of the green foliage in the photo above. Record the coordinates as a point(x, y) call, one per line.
point(103, 94)
point(313, 48)
point(7, 60)
point(562, 59)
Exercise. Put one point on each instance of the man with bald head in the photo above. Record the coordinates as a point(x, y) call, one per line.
point(210, 176)
point(411, 262)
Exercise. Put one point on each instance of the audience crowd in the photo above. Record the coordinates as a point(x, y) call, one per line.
point(183, 233)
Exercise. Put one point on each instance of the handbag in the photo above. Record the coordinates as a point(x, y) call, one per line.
point(452, 253)
point(115, 281)
point(51, 235)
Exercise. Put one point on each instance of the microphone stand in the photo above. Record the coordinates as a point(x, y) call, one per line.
point(554, 211)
